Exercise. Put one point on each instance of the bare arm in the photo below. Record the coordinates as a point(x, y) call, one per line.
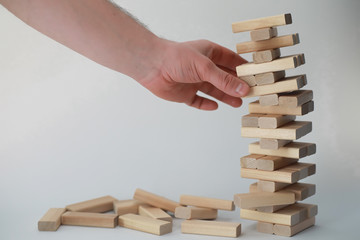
point(104, 33)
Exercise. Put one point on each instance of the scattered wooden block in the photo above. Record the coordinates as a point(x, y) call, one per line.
point(272, 163)
point(273, 43)
point(153, 212)
point(250, 80)
point(295, 99)
point(250, 120)
point(269, 100)
point(288, 231)
point(126, 206)
point(255, 107)
point(263, 34)
point(291, 150)
point(268, 143)
point(275, 120)
point(259, 23)
point(262, 199)
point(205, 202)
point(285, 85)
point(266, 55)
point(145, 224)
point(155, 200)
point(51, 220)
point(269, 77)
point(268, 186)
point(195, 213)
point(89, 219)
point(250, 161)
point(97, 205)
point(212, 228)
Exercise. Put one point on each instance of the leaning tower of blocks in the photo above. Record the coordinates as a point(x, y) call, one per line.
point(274, 160)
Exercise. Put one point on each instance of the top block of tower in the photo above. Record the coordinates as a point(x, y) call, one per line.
point(259, 23)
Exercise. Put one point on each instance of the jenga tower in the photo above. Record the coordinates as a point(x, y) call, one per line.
point(274, 160)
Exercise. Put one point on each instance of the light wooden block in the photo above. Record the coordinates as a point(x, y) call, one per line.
point(255, 107)
point(271, 209)
point(269, 100)
point(275, 120)
point(288, 174)
point(155, 200)
point(97, 205)
point(51, 220)
point(295, 99)
point(271, 163)
point(285, 85)
point(291, 150)
point(288, 231)
point(250, 80)
point(195, 213)
point(263, 34)
point(259, 23)
point(269, 77)
point(89, 219)
point(273, 43)
point(268, 143)
point(265, 227)
point(211, 228)
point(262, 199)
point(126, 206)
point(154, 212)
point(205, 202)
point(145, 224)
point(250, 120)
point(269, 186)
point(266, 55)
point(250, 161)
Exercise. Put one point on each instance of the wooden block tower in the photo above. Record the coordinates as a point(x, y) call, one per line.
point(274, 159)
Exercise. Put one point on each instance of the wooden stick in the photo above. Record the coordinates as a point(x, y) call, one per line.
point(255, 107)
point(250, 161)
point(145, 224)
point(266, 55)
point(269, 100)
point(263, 34)
point(268, 78)
point(213, 203)
point(272, 163)
point(89, 219)
point(195, 213)
point(97, 205)
point(268, 186)
point(295, 99)
point(288, 231)
point(153, 212)
point(273, 144)
point(262, 199)
point(251, 120)
point(291, 150)
point(126, 206)
point(275, 120)
point(212, 228)
point(51, 220)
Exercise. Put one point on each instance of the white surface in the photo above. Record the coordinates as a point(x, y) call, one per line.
point(71, 130)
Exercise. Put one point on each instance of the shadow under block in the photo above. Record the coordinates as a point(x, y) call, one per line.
point(126, 206)
point(251, 120)
point(291, 150)
point(212, 228)
point(273, 21)
point(273, 144)
point(289, 174)
point(285, 85)
point(269, 77)
point(206, 202)
point(263, 199)
point(283, 230)
point(255, 107)
point(263, 33)
point(155, 200)
point(145, 224)
point(290, 131)
point(266, 163)
point(51, 220)
point(195, 213)
point(153, 212)
point(266, 55)
point(276, 42)
point(89, 219)
point(97, 205)
point(275, 120)
point(295, 99)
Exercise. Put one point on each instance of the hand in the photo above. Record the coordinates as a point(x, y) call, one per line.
point(189, 67)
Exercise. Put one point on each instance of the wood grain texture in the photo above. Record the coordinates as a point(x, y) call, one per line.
point(273, 144)
point(154, 212)
point(250, 161)
point(206, 202)
point(250, 80)
point(291, 150)
point(255, 107)
point(266, 55)
point(97, 205)
point(122, 207)
point(251, 120)
point(262, 199)
point(296, 98)
point(195, 213)
point(263, 33)
point(211, 228)
point(51, 220)
point(269, 100)
point(269, 77)
point(89, 219)
point(273, 121)
point(272, 163)
point(145, 224)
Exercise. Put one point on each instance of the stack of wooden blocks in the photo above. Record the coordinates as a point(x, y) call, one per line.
point(273, 161)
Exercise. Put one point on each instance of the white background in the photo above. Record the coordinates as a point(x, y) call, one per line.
point(71, 130)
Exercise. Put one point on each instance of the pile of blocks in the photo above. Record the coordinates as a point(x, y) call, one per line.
point(273, 160)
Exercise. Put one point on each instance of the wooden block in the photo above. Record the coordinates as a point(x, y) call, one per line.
point(153, 212)
point(255, 107)
point(268, 78)
point(89, 219)
point(250, 161)
point(259, 23)
point(205, 202)
point(51, 220)
point(301, 190)
point(265, 227)
point(195, 213)
point(268, 143)
point(266, 55)
point(288, 174)
point(262, 199)
point(271, 163)
point(155, 200)
point(296, 98)
point(279, 64)
point(212, 228)
point(145, 224)
point(97, 205)
point(250, 80)
point(290, 131)
point(288, 231)
point(250, 120)
point(285, 85)
point(271, 209)
point(269, 100)
point(291, 150)
point(276, 120)
point(263, 33)
point(268, 186)
point(126, 206)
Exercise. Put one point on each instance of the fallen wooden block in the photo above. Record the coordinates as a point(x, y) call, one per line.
point(266, 55)
point(212, 228)
point(273, 144)
point(285, 85)
point(295, 99)
point(51, 220)
point(205, 202)
point(275, 120)
point(126, 206)
point(262, 199)
point(276, 42)
point(250, 80)
point(155, 200)
point(250, 120)
point(291, 150)
point(97, 205)
point(269, 77)
point(250, 161)
point(255, 107)
point(263, 33)
point(269, 186)
point(89, 219)
point(153, 212)
point(283, 230)
point(145, 224)
point(195, 213)
point(265, 22)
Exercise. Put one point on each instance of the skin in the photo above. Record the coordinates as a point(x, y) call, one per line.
point(104, 33)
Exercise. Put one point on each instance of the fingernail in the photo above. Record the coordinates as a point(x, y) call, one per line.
point(239, 89)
